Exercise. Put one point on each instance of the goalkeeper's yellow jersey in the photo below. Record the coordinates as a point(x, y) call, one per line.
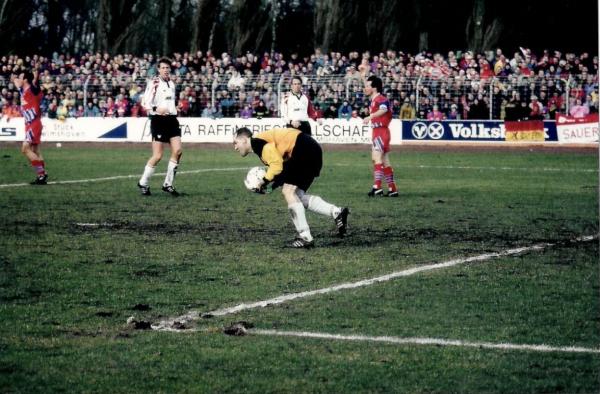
point(277, 147)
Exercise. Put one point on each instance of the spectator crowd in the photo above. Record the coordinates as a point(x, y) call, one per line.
point(459, 85)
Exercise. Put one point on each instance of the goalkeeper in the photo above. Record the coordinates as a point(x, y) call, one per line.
point(294, 160)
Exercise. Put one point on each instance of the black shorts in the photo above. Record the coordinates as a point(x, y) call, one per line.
point(304, 127)
point(164, 127)
point(303, 166)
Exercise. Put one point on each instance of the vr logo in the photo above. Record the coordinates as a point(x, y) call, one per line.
point(419, 130)
point(435, 130)
point(8, 132)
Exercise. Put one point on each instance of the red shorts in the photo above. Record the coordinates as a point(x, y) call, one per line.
point(381, 139)
point(33, 133)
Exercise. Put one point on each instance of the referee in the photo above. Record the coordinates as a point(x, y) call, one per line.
point(296, 108)
point(159, 102)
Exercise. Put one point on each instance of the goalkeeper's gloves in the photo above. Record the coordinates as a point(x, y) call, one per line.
point(262, 188)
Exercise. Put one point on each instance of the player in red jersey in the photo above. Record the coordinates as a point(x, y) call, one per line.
point(380, 117)
point(31, 97)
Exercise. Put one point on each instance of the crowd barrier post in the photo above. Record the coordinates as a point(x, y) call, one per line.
point(348, 81)
point(568, 94)
point(85, 88)
point(492, 81)
point(279, 83)
point(417, 95)
point(213, 90)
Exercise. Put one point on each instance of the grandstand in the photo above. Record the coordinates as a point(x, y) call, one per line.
point(463, 85)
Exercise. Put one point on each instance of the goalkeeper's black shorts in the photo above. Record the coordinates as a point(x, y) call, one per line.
point(304, 164)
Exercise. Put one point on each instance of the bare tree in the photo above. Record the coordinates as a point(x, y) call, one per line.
point(103, 25)
point(128, 24)
point(333, 19)
point(181, 32)
point(420, 17)
point(3, 6)
point(15, 16)
point(138, 26)
point(481, 32)
point(203, 23)
point(165, 25)
point(344, 25)
point(247, 24)
point(275, 14)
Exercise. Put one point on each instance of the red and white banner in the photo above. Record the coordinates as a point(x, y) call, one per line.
point(577, 130)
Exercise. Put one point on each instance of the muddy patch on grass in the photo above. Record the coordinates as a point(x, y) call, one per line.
point(239, 328)
point(104, 314)
point(141, 307)
point(152, 271)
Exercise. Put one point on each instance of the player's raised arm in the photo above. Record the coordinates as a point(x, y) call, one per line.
point(35, 85)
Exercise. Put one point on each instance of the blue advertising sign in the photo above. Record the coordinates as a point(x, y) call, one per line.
point(463, 130)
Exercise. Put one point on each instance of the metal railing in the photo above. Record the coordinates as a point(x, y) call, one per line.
point(229, 93)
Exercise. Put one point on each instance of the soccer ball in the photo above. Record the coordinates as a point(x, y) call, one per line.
point(254, 178)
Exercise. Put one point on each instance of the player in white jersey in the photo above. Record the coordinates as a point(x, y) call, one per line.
point(159, 102)
point(296, 108)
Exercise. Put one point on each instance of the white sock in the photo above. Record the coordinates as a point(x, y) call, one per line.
point(318, 205)
point(171, 171)
point(148, 172)
point(299, 219)
point(303, 197)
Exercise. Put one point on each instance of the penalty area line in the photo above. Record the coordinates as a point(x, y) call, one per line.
point(425, 341)
point(174, 324)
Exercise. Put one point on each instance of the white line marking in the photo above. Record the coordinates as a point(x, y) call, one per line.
point(112, 178)
point(94, 224)
point(173, 323)
point(426, 341)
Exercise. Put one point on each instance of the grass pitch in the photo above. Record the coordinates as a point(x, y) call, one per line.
point(78, 259)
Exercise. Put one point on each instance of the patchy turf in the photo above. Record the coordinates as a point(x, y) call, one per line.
point(79, 261)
